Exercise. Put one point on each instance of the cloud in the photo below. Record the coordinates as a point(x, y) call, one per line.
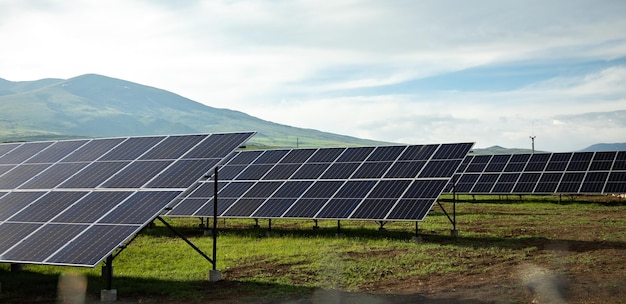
point(355, 67)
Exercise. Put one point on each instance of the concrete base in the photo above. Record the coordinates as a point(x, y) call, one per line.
point(418, 239)
point(215, 275)
point(454, 233)
point(107, 295)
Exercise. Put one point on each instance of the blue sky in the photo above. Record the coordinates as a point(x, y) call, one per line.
point(492, 72)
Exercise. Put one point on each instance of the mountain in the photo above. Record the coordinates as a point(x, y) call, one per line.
point(99, 106)
point(606, 147)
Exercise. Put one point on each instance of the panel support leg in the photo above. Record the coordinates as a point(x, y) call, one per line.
point(109, 294)
point(316, 225)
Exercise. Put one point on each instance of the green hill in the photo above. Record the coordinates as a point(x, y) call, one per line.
point(98, 106)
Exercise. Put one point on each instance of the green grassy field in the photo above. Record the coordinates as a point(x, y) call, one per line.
point(295, 260)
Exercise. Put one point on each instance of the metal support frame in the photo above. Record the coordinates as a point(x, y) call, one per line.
point(212, 260)
point(316, 225)
point(108, 272)
point(453, 218)
point(382, 225)
point(338, 227)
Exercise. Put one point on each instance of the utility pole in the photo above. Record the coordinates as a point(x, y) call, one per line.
point(532, 135)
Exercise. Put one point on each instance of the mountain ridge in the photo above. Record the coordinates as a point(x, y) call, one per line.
point(94, 105)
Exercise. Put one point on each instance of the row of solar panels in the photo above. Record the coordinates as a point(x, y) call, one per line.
point(373, 183)
point(543, 173)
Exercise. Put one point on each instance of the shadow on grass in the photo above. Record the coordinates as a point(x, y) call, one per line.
point(367, 233)
point(33, 287)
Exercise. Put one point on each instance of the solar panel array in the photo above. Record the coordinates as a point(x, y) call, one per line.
point(543, 173)
point(374, 183)
point(74, 202)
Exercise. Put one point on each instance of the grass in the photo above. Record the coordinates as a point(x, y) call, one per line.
point(295, 259)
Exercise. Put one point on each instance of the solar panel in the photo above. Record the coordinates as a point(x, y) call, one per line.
point(543, 173)
point(75, 202)
point(362, 183)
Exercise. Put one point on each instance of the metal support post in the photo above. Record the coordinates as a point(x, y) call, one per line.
point(215, 189)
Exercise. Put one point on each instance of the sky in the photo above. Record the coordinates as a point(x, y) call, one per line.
point(414, 72)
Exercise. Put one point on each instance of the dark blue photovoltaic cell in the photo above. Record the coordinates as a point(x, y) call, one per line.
point(56, 151)
point(183, 173)
point(340, 171)
point(570, 183)
point(94, 175)
point(478, 164)
point(372, 170)
point(497, 163)
point(425, 189)
point(131, 148)
point(310, 171)
point(281, 171)
point(53, 176)
point(244, 207)
point(23, 152)
point(254, 172)
point(485, 183)
point(548, 183)
point(411, 209)
point(92, 207)
point(262, 189)
point(190, 206)
point(439, 168)
point(527, 182)
point(13, 202)
point(356, 154)
point(558, 162)
point(271, 157)
point(140, 208)
point(355, 189)
point(84, 250)
point(136, 174)
point(5, 168)
point(12, 233)
point(326, 155)
point(452, 151)
point(305, 208)
point(594, 182)
point(297, 156)
point(274, 207)
point(505, 183)
point(616, 183)
point(244, 158)
point(19, 175)
point(389, 189)
point(386, 153)
point(43, 243)
point(6, 148)
point(418, 152)
point(580, 161)
point(537, 162)
point(338, 208)
point(517, 163)
point(48, 206)
point(465, 182)
point(602, 161)
point(222, 205)
point(92, 150)
point(323, 189)
point(173, 147)
point(235, 190)
point(405, 169)
point(376, 208)
point(230, 172)
point(292, 189)
point(218, 145)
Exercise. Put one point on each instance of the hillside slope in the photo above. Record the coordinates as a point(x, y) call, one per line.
point(99, 106)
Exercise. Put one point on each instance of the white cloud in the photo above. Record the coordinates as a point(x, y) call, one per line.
point(318, 64)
